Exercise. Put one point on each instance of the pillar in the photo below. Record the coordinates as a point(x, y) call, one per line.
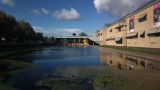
point(79, 40)
point(74, 40)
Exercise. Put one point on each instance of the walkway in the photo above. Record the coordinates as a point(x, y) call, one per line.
point(137, 54)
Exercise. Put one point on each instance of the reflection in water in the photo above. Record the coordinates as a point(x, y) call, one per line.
point(82, 67)
point(128, 62)
point(82, 78)
point(9, 68)
point(142, 74)
point(46, 62)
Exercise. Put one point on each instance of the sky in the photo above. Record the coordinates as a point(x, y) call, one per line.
point(64, 17)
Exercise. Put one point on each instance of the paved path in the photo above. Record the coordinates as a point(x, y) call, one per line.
point(136, 54)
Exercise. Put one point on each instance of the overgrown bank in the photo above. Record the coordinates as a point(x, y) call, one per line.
point(134, 49)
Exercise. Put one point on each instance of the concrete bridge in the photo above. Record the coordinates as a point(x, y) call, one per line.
point(76, 40)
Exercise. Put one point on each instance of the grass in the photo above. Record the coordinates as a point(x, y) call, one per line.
point(141, 50)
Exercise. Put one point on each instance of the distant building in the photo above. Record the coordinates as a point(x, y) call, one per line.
point(97, 33)
point(116, 34)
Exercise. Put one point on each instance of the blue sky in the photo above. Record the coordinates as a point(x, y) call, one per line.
point(64, 17)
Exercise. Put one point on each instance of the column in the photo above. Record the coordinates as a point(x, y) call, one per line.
point(79, 40)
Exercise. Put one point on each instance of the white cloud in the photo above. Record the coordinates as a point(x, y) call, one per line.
point(101, 5)
point(46, 32)
point(38, 29)
point(67, 31)
point(57, 32)
point(118, 8)
point(11, 3)
point(40, 11)
point(64, 14)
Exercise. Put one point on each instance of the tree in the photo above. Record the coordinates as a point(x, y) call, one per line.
point(3, 24)
point(26, 30)
point(7, 24)
point(74, 34)
point(51, 40)
point(12, 30)
point(83, 34)
point(39, 36)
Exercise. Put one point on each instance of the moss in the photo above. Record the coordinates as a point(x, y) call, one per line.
point(106, 81)
point(9, 67)
point(63, 84)
point(79, 77)
point(7, 88)
point(12, 66)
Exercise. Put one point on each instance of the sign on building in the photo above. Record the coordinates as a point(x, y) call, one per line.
point(131, 24)
point(156, 15)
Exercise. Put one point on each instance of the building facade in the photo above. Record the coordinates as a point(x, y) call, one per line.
point(138, 29)
point(115, 34)
point(143, 27)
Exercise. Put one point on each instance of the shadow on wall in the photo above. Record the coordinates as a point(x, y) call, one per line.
point(90, 42)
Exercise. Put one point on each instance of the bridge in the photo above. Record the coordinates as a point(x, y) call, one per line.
point(76, 40)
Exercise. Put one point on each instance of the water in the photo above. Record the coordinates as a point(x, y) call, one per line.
point(69, 62)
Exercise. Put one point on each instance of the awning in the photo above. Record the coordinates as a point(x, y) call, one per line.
point(142, 16)
point(158, 30)
point(134, 34)
point(100, 34)
point(118, 39)
point(141, 33)
point(113, 37)
point(110, 38)
point(153, 31)
point(107, 38)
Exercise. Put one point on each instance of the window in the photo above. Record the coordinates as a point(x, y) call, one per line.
point(100, 34)
point(153, 32)
point(119, 29)
point(142, 34)
point(142, 18)
point(111, 30)
point(118, 40)
point(154, 35)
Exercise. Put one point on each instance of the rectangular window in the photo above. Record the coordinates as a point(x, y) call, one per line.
point(156, 15)
point(142, 35)
point(142, 18)
point(111, 30)
point(119, 29)
point(131, 24)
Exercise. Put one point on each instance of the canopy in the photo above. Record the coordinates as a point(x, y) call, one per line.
point(133, 34)
point(141, 33)
point(118, 39)
point(142, 16)
point(153, 31)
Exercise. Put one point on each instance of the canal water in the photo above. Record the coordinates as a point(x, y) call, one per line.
point(83, 68)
